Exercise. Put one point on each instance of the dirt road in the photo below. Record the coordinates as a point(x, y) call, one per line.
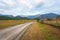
point(15, 32)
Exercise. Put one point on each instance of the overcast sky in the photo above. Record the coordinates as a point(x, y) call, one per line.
point(29, 7)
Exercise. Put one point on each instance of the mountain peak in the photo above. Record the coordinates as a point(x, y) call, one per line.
point(48, 15)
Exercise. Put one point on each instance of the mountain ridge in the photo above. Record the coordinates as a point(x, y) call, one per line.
point(18, 17)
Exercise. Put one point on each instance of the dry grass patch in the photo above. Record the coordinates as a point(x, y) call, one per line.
point(38, 31)
point(33, 33)
point(9, 23)
point(49, 32)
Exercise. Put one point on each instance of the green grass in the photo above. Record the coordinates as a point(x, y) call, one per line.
point(46, 34)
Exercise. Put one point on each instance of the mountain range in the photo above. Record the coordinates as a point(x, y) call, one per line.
point(43, 16)
point(48, 16)
point(10, 17)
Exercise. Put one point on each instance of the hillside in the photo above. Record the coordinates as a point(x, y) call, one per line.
point(18, 17)
point(47, 16)
point(10, 17)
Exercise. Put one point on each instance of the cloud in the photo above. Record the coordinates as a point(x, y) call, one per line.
point(9, 2)
point(17, 6)
point(28, 7)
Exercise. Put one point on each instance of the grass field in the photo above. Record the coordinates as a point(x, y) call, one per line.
point(49, 32)
point(53, 23)
point(38, 31)
point(9, 23)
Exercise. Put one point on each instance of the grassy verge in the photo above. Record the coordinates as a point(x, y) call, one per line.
point(32, 33)
point(48, 32)
point(53, 23)
point(9, 23)
point(38, 31)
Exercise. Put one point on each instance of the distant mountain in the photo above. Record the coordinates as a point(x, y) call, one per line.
point(34, 16)
point(10, 17)
point(31, 17)
point(19, 17)
point(6, 17)
point(43, 16)
point(48, 16)
point(0, 14)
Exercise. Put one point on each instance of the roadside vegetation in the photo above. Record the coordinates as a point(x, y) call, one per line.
point(9, 23)
point(53, 23)
point(49, 32)
point(39, 31)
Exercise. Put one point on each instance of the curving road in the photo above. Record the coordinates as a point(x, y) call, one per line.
point(15, 32)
